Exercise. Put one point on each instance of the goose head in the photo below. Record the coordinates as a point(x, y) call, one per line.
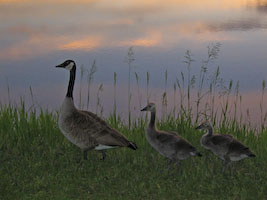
point(150, 107)
point(68, 64)
point(205, 126)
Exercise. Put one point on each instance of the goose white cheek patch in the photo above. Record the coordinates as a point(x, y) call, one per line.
point(69, 66)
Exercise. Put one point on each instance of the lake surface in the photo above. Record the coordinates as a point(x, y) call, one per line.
point(37, 35)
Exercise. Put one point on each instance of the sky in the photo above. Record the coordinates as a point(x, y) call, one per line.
point(35, 36)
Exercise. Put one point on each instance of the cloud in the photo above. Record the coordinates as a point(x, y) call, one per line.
point(259, 6)
point(232, 25)
point(35, 45)
point(110, 24)
point(10, 2)
point(237, 25)
point(139, 42)
point(207, 4)
point(195, 31)
point(153, 39)
point(86, 44)
point(42, 44)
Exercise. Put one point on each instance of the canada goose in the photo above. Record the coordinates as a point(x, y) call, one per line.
point(83, 128)
point(224, 146)
point(168, 143)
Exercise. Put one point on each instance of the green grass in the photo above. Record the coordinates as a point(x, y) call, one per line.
point(37, 162)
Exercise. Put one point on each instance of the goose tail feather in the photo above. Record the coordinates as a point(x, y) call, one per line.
point(132, 145)
point(252, 155)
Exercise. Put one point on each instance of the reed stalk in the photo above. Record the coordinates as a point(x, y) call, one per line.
point(130, 58)
point(82, 70)
point(90, 78)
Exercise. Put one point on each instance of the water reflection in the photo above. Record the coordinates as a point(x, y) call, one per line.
point(36, 35)
point(259, 5)
point(88, 25)
point(238, 25)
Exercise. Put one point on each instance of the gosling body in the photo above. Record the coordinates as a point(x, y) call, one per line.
point(224, 146)
point(168, 143)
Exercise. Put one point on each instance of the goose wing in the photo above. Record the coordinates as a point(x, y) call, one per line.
point(97, 128)
point(184, 146)
point(172, 137)
point(237, 148)
point(167, 137)
point(221, 140)
point(173, 133)
point(176, 143)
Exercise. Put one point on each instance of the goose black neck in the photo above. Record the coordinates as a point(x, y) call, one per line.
point(71, 82)
point(152, 119)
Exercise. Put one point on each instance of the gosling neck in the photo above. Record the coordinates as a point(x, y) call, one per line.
point(152, 119)
point(210, 131)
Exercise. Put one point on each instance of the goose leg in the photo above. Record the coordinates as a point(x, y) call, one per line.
point(104, 155)
point(231, 167)
point(85, 155)
point(227, 162)
point(178, 163)
point(207, 157)
point(169, 161)
point(224, 165)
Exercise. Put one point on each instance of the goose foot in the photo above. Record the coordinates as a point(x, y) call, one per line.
point(85, 155)
point(104, 155)
point(178, 163)
point(231, 168)
point(169, 162)
point(207, 158)
point(226, 163)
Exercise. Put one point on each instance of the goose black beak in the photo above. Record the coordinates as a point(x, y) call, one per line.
point(60, 66)
point(198, 127)
point(144, 109)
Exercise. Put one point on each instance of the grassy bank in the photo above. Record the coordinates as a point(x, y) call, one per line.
point(37, 162)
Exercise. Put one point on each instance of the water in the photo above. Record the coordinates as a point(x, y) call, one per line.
point(37, 35)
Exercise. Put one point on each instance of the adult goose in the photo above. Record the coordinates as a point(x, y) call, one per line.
point(168, 143)
point(83, 128)
point(224, 146)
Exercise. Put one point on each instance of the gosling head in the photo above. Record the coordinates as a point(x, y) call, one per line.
point(68, 64)
point(150, 107)
point(205, 125)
